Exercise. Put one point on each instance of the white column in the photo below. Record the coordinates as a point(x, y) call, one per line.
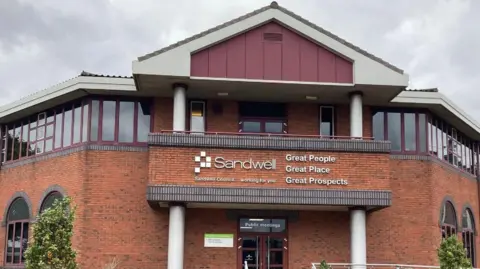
point(358, 231)
point(358, 238)
point(179, 107)
point(356, 115)
point(176, 236)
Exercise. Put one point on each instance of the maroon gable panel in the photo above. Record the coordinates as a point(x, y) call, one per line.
point(272, 52)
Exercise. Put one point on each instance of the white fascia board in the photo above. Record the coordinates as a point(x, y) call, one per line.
point(69, 86)
point(176, 62)
point(436, 98)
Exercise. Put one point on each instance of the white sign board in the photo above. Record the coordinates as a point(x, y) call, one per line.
point(218, 240)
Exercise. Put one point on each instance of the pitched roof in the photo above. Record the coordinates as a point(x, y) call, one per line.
point(273, 5)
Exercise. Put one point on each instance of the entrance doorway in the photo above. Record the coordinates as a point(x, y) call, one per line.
point(263, 244)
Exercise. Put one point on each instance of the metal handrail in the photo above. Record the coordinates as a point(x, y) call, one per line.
point(378, 266)
point(265, 134)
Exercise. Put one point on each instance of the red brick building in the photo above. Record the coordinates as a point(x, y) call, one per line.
point(266, 140)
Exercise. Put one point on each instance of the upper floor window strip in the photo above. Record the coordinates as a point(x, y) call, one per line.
point(114, 121)
point(419, 133)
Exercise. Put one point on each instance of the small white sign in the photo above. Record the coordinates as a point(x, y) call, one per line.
point(218, 240)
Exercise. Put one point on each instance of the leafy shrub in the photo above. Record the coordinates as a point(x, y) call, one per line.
point(51, 246)
point(452, 254)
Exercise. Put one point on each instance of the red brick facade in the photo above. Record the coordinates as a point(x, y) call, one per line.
point(114, 219)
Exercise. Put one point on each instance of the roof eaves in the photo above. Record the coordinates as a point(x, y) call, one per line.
point(286, 11)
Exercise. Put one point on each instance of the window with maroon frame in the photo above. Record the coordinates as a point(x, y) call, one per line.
point(258, 117)
point(468, 235)
point(449, 145)
point(413, 132)
point(114, 121)
point(406, 130)
point(448, 219)
point(18, 220)
point(50, 200)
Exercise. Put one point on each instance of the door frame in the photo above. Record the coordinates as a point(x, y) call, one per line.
point(241, 234)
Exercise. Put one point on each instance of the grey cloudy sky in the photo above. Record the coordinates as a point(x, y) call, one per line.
point(45, 42)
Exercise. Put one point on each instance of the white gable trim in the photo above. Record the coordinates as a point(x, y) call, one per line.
point(176, 61)
point(436, 98)
point(69, 86)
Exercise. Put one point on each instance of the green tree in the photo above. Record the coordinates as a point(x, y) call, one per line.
point(51, 247)
point(452, 254)
point(324, 265)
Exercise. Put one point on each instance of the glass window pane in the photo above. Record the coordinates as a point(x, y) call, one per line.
point(18, 210)
point(422, 133)
point(126, 119)
point(16, 141)
point(10, 138)
point(326, 121)
point(49, 145)
point(49, 130)
point(58, 129)
point(251, 127)
point(108, 121)
point(41, 119)
point(77, 123)
point(67, 127)
point(33, 135)
point(41, 132)
point(378, 124)
point(24, 140)
point(394, 132)
point(409, 132)
point(143, 123)
point(24, 239)
point(94, 120)
point(40, 145)
point(273, 127)
point(17, 241)
point(51, 198)
point(85, 123)
point(50, 117)
point(10, 244)
point(197, 117)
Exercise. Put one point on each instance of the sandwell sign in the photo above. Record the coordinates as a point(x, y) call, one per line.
point(299, 169)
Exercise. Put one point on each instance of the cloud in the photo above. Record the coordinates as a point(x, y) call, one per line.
point(43, 43)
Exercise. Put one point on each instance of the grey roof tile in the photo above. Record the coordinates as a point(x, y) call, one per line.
point(88, 74)
point(422, 90)
point(286, 11)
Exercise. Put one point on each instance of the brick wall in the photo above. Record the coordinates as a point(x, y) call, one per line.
point(302, 118)
point(34, 179)
point(113, 217)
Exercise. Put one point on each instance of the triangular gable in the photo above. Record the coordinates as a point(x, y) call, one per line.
point(272, 52)
point(175, 60)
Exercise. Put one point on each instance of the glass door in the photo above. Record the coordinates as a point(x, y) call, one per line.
point(262, 251)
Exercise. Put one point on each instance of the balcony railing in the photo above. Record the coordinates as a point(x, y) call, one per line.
point(268, 141)
point(376, 266)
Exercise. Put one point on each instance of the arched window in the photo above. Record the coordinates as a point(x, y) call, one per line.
point(448, 219)
point(18, 220)
point(50, 199)
point(468, 234)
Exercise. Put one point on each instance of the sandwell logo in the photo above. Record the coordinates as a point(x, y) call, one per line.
point(202, 161)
